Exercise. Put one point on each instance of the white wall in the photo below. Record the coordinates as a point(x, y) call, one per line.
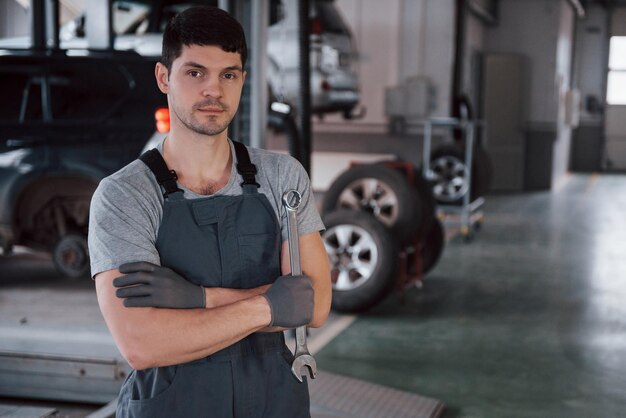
point(438, 60)
point(374, 25)
point(547, 44)
point(474, 42)
point(537, 41)
point(397, 39)
point(14, 19)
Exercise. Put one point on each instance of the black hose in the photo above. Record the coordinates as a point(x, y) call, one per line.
point(304, 99)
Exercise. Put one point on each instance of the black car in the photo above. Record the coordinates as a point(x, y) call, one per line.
point(67, 119)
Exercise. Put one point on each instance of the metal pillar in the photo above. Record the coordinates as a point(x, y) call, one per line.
point(52, 22)
point(258, 92)
point(224, 5)
point(38, 21)
point(304, 102)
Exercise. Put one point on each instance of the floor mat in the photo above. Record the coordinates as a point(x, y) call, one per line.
point(336, 396)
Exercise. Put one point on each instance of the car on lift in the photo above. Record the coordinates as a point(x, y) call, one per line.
point(334, 81)
point(67, 120)
point(139, 26)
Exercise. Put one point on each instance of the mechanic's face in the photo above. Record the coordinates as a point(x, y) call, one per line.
point(203, 87)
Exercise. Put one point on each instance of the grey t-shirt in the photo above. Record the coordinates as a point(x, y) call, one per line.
point(127, 207)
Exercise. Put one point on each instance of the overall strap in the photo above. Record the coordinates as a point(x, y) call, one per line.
point(165, 177)
point(245, 168)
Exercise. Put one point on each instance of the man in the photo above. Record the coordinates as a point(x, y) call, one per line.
point(189, 249)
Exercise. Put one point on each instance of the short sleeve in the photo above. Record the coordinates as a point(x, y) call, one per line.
point(122, 227)
point(309, 220)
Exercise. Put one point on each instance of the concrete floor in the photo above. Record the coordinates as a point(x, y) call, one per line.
point(526, 321)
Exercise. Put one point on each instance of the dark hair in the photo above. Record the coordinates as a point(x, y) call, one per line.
point(202, 25)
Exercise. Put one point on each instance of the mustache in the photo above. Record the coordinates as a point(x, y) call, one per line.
point(210, 102)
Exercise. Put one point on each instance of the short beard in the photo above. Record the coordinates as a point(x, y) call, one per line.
point(198, 128)
point(201, 129)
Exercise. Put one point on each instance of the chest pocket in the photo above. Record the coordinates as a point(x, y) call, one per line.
point(258, 239)
point(256, 249)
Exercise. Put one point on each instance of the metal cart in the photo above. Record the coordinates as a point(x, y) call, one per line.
point(469, 215)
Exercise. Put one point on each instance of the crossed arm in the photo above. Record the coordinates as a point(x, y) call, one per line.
point(155, 337)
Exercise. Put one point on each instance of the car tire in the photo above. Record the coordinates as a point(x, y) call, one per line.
point(425, 198)
point(432, 246)
point(363, 256)
point(427, 202)
point(381, 191)
point(71, 256)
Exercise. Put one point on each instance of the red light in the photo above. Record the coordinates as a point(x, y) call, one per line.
point(326, 85)
point(316, 26)
point(162, 117)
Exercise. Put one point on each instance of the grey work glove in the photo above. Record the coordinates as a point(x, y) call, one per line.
point(291, 301)
point(149, 285)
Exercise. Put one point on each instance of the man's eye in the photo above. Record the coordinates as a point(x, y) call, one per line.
point(230, 76)
point(194, 73)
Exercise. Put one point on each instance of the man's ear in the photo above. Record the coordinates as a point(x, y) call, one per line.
point(244, 74)
point(162, 77)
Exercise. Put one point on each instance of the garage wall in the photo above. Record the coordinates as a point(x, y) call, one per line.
point(591, 55)
point(537, 41)
point(436, 59)
point(397, 39)
point(615, 122)
point(472, 60)
point(591, 59)
point(618, 22)
point(546, 44)
point(14, 20)
point(375, 27)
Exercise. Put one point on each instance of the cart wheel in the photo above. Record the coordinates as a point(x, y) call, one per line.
point(381, 191)
point(448, 166)
point(362, 254)
point(71, 256)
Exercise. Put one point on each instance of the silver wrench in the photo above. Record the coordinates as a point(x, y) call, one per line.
point(302, 357)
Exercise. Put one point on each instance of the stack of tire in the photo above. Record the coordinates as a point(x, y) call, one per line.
point(372, 213)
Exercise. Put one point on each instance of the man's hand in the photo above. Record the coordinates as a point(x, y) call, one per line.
point(148, 285)
point(291, 301)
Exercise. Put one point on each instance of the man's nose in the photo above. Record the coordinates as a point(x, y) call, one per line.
point(212, 87)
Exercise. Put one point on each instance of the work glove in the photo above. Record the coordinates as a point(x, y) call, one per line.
point(291, 301)
point(149, 285)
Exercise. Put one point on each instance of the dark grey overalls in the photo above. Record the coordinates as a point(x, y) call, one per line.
point(219, 241)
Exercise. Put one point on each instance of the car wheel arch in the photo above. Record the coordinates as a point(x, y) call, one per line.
point(34, 195)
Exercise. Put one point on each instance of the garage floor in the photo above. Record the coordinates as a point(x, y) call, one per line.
point(526, 321)
point(529, 320)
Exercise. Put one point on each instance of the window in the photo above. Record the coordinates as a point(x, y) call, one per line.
point(616, 84)
point(86, 90)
